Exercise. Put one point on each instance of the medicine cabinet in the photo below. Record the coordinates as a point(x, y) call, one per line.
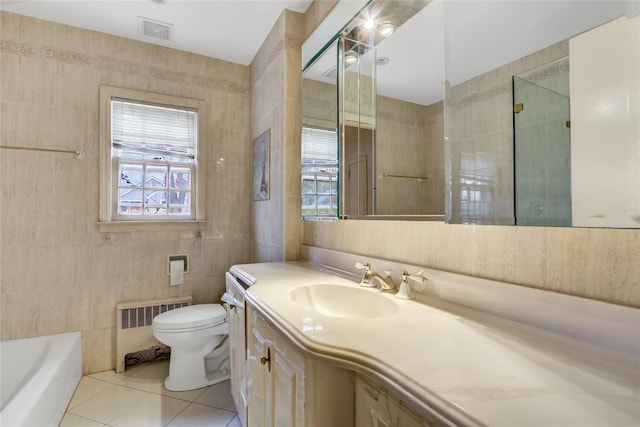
point(382, 123)
point(423, 105)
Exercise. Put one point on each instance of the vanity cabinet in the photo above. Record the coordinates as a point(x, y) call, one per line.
point(276, 386)
point(377, 407)
point(281, 380)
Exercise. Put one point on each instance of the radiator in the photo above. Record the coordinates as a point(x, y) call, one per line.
point(133, 324)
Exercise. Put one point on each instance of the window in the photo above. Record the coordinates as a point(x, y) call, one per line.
point(150, 172)
point(319, 172)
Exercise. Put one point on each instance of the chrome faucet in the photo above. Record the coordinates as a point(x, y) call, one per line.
point(387, 284)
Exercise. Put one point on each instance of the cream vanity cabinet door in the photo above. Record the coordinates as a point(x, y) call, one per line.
point(376, 407)
point(276, 377)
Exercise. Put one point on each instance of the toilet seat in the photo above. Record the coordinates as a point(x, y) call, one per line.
point(190, 318)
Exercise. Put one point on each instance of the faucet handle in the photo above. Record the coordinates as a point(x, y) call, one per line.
point(405, 289)
point(362, 266)
point(418, 277)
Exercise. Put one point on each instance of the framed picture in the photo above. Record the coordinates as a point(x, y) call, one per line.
point(261, 166)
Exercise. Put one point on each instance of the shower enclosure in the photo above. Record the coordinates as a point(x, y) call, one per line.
point(542, 145)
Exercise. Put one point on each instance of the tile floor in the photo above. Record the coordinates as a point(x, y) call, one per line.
point(138, 398)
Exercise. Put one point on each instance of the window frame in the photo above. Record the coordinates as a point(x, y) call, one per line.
point(108, 221)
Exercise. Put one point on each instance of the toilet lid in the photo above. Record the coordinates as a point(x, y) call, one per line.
point(192, 316)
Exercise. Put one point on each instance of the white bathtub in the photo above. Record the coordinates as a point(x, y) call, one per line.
point(38, 376)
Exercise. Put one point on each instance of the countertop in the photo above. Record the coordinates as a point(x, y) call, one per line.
point(454, 364)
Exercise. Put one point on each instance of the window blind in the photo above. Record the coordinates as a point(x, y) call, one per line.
point(154, 129)
point(319, 146)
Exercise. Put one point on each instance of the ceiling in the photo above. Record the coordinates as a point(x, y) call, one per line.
point(232, 30)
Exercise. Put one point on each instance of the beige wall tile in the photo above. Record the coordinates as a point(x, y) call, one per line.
point(493, 252)
point(531, 253)
point(56, 267)
point(275, 105)
point(98, 350)
point(603, 263)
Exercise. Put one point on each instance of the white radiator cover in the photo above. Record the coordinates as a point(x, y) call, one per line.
point(133, 324)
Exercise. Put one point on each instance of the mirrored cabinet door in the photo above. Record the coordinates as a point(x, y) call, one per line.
point(320, 139)
point(390, 111)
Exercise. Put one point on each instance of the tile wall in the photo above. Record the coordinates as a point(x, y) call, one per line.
point(275, 104)
point(58, 273)
point(409, 142)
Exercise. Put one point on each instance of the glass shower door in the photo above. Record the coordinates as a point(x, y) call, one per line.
point(542, 138)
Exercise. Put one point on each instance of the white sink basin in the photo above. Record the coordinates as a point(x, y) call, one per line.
point(344, 301)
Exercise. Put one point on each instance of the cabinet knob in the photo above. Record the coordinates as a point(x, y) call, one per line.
point(267, 360)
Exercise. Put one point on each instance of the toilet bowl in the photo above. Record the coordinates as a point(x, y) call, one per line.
point(197, 335)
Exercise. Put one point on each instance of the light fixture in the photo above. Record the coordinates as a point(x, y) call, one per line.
point(386, 29)
point(350, 58)
point(383, 60)
point(369, 24)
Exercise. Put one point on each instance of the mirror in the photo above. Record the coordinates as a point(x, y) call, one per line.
point(564, 75)
point(320, 154)
point(487, 180)
point(390, 110)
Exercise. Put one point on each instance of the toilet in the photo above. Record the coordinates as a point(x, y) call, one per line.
point(197, 335)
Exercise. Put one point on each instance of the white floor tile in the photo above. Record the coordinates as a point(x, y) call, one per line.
point(189, 395)
point(113, 377)
point(109, 404)
point(70, 420)
point(87, 388)
point(235, 422)
point(153, 411)
point(218, 395)
point(138, 398)
point(149, 378)
point(197, 415)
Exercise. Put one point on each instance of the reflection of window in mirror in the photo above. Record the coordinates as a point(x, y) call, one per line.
point(319, 172)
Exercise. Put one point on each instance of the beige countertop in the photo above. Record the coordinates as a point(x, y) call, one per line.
point(454, 364)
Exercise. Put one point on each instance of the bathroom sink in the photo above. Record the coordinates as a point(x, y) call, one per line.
point(344, 301)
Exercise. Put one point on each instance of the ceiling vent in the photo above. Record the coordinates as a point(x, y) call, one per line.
point(157, 30)
point(331, 73)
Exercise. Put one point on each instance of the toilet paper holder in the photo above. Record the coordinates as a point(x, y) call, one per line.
point(178, 257)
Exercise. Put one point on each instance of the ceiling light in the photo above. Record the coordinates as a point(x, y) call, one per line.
point(383, 60)
point(350, 58)
point(369, 24)
point(386, 29)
